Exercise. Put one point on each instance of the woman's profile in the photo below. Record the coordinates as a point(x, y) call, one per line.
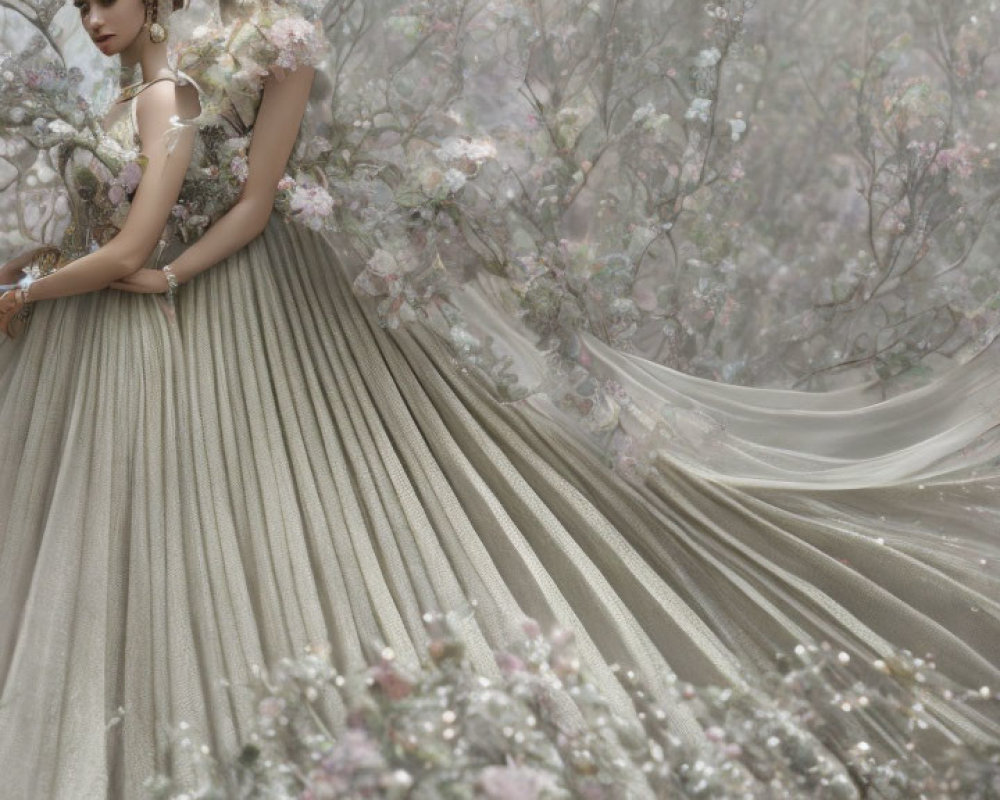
point(213, 457)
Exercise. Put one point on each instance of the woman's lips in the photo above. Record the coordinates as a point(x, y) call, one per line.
point(100, 41)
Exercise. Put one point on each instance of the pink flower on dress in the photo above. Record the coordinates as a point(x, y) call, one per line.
point(395, 685)
point(355, 750)
point(130, 176)
point(240, 168)
point(311, 204)
point(297, 42)
point(271, 707)
point(509, 663)
point(125, 183)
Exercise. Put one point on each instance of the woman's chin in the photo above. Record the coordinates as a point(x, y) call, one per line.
point(109, 46)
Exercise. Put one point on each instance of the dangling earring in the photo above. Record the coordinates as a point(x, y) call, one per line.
point(157, 33)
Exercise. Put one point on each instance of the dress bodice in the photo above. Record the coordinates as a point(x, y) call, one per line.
point(103, 177)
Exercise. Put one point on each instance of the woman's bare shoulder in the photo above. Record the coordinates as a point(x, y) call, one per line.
point(168, 95)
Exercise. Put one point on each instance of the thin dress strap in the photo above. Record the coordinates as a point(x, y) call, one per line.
point(131, 92)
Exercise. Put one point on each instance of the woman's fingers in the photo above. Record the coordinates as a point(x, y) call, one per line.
point(9, 306)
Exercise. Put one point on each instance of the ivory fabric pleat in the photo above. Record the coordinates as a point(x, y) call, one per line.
point(183, 497)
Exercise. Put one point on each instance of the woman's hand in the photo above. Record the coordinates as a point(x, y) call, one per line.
point(13, 270)
point(11, 323)
point(143, 281)
point(147, 281)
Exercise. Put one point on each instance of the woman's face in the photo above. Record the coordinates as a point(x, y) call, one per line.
point(113, 25)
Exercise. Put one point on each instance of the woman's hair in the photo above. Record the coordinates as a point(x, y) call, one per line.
point(157, 5)
point(229, 10)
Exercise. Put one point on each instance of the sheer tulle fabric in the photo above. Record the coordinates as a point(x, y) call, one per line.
point(185, 498)
point(944, 432)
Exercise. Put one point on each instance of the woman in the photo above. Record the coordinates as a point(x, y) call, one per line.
point(144, 353)
point(264, 469)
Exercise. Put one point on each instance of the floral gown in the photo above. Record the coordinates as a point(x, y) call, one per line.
point(191, 492)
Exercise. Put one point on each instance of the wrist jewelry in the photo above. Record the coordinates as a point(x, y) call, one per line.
point(172, 283)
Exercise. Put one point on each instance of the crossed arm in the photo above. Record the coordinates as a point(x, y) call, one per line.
point(154, 198)
point(282, 107)
point(118, 263)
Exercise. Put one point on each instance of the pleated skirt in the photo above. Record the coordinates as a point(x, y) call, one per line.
point(187, 495)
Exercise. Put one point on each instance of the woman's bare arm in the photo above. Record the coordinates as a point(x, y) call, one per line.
point(282, 107)
point(154, 198)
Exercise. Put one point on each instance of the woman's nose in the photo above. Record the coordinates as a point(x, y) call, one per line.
point(94, 20)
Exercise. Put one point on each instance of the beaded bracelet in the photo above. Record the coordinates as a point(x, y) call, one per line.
point(172, 283)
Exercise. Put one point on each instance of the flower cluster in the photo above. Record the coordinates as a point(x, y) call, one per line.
point(306, 202)
point(963, 159)
point(211, 187)
point(37, 89)
point(296, 42)
point(539, 728)
point(406, 269)
point(402, 284)
point(124, 184)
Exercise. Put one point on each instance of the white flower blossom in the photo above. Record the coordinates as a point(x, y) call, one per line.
point(383, 263)
point(699, 109)
point(240, 168)
point(642, 112)
point(454, 180)
point(311, 205)
point(708, 58)
point(297, 41)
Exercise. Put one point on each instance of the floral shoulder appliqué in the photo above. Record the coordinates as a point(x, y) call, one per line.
point(230, 62)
